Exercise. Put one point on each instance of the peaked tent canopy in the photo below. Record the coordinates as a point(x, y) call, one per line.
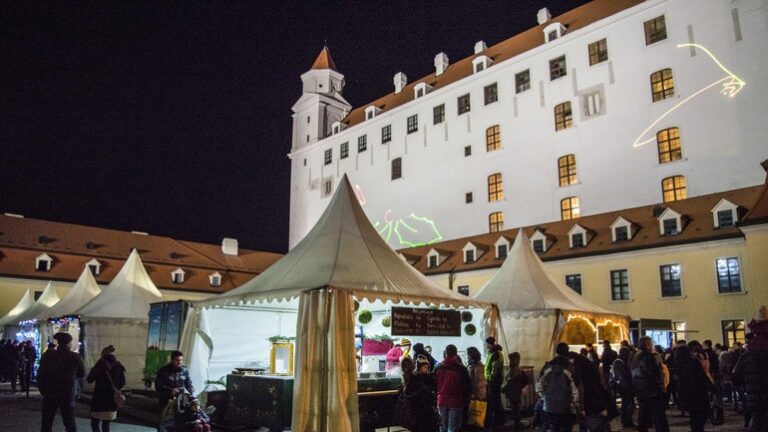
point(81, 293)
point(48, 299)
point(27, 300)
point(535, 309)
point(128, 295)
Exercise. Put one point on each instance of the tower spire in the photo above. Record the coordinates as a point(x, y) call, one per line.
point(324, 60)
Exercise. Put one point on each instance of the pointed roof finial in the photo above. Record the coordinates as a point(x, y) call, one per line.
point(324, 60)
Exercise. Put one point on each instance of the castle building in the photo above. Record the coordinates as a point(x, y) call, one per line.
point(613, 105)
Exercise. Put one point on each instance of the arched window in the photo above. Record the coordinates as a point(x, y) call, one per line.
point(566, 170)
point(673, 188)
point(569, 208)
point(669, 145)
point(563, 116)
point(496, 222)
point(492, 138)
point(662, 84)
point(495, 187)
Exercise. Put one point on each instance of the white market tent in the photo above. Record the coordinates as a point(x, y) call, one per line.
point(26, 301)
point(119, 316)
point(81, 293)
point(48, 299)
point(341, 258)
point(537, 312)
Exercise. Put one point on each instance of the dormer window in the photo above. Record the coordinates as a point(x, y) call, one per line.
point(215, 279)
point(177, 276)
point(43, 263)
point(94, 266)
point(472, 252)
point(577, 237)
point(621, 230)
point(336, 127)
point(481, 63)
point(670, 227)
point(469, 256)
point(432, 261)
point(577, 240)
point(436, 257)
point(725, 214)
point(502, 247)
point(421, 89)
point(670, 223)
point(539, 242)
point(371, 112)
point(538, 246)
point(553, 31)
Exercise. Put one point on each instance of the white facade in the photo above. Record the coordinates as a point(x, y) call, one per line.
point(721, 137)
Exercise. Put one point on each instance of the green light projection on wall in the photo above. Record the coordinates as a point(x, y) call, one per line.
point(732, 85)
point(411, 231)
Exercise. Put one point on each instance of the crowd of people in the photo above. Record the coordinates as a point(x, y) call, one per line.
point(17, 362)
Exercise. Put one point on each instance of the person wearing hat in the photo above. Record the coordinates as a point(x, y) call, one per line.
point(405, 345)
point(108, 374)
point(56, 382)
point(194, 419)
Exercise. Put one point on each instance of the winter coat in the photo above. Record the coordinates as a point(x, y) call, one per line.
point(453, 384)
point(479, 386)
point(494, 370)
point(751, 373)
point(418, 350)
point(393, 357)
point(607, 359)
point(103, 394)
point(57, 373)
point(647, 376)
point(169, 378)
point(621, 376)
point(514, 383)
point(692, 384)
point(419, 394)
point(593, 393)
point(557, 387)
point(189, 418)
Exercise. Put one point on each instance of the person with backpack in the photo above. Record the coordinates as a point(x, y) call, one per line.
point(648, 382)
point(453, 389)
point(557, 388)
point(621, 381)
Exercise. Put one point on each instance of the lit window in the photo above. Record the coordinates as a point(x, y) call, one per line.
point(724, 218)
point(619, 285)
point(669, 145)
point(522, 81)
point(386, 134)
point(573, 281)
point(495, 222)
point(662, 85)
point(468, 198)
point(557, 68)
point(328, 156)
point(397, 168)
point(467, 151)
point(413, 123)
point(566, 168)
point(492, 138)
point(621, 233)
point(670, 280)
point(563, 116)
point(598, 52)
point(673, 188)
point(577, 240)
point(655, 30)
point(438, 114)
point(495, 187)
point(464, 290)
point(728, 275)
point(463, 104)
point(362, 143)
point(569, 208)
point(670, 227)
point(491, 93)
point(344, 150)
point(733, 331)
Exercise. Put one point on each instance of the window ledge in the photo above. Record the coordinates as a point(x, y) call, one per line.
point(730, 294)
point(629, 300)
point(674, 162)
point(680, 297)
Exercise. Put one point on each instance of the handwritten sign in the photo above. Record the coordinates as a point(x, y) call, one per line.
point(425, 322)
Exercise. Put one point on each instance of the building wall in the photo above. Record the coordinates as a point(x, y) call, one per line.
point(721, 136)
point(700, 306)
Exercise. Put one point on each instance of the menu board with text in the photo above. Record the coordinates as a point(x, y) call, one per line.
point(425, 322)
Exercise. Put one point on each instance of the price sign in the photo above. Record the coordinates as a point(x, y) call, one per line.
point(425, 322)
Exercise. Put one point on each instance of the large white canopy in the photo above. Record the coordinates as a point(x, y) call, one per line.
point(27, 300)
point(44, 303)
point(128, 296)
point(81, 293)
point(343, 251)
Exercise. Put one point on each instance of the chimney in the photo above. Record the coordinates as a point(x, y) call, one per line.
point(543, 15)
point(480, 46)
point(441, 63)
point(400, 81)
point(229, 246)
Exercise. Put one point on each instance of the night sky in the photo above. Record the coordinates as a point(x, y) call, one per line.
point(176, 119)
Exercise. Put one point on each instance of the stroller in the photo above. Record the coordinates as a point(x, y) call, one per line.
point(169, 418)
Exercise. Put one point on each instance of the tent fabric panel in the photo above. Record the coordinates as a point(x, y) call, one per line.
point(26, 301)
point(129, 339)
point(48, 299)
point(532, 337)
point(81, 293)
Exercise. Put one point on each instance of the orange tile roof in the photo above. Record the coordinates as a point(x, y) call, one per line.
point(698, 226)
point(324, 60)
point(573, 20)
point(71, 246)
point(758, 213)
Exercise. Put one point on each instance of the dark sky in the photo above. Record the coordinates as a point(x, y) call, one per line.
point(175, 119)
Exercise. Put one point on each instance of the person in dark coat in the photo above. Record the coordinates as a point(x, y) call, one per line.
point(418, 350)
point(418, 397)
point(621, 380)
point(12, 363)
point(28, 356)
point(171, 378)
point(692, 387)
point(606, 360)
point(648, 382)
point(56, 382)
point(599, 405)
point(108, 374)
point(514, 383)
point(751, 374)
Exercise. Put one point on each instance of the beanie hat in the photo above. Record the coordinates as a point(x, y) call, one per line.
point(490, 340)
point(109, 349)
point(63, 338)
point(421, 361)
point(405, 342)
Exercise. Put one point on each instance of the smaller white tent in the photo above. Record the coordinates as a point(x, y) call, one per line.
point(536, 311)
point(119, 316)
point(27, 300)
point(48, 299)
point(81, 293)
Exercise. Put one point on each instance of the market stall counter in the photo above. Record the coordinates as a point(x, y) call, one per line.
point(266, 401)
